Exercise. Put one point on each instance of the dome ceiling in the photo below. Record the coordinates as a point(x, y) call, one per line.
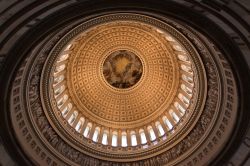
point(124, 88)
point(100, 58)
point(129, 82)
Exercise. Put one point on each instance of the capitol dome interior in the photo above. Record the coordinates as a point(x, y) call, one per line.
point(125, 83)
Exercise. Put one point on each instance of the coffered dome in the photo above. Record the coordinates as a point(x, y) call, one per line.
point(125, 87)
point(125, 82)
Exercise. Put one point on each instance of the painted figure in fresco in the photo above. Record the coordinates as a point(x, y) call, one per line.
point(122, 69)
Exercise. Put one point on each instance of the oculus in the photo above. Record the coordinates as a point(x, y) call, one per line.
point(122, 69)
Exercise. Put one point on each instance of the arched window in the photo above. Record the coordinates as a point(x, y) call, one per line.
point(114, 138)
point(167, 122)
point(160, 129)
point(186, 89)
point(177, 47)
point(87, 130)
point(58, 79)
point(133, 138)
point(66, 110)
point(169, 38)
point(105, 137)
point(96, 134)
point(79, 124)
point(159, 31)
point(184, 99)
point(60, 68)
point(186, 68)
point(174, 116)
point(62, 100)
point(68, 47)
point(63, 57)
point(142, 136)
point(180, 108)
point(124, 139)
point(72, 118)
point(151, 133)
point(183, 57)
point(187, 79)
point(59, 90)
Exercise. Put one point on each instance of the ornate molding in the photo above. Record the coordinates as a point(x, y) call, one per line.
point(37, 130)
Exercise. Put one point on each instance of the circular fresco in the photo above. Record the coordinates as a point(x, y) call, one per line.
point(122, 69)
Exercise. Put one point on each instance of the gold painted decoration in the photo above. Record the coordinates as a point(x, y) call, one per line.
point(96, 98)
point(124, 88)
